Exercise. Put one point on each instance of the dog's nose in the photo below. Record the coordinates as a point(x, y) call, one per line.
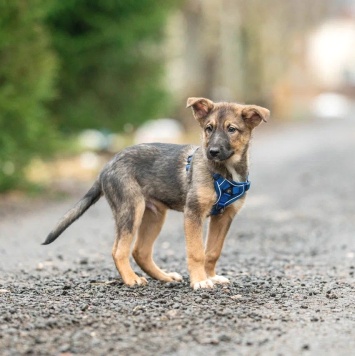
point(214, 151)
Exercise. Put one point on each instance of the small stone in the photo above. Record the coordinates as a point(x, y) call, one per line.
point(209, 340)
point(84, 307)
point(171, 314)
point(39, 340)
point(171, 284)
point(64, 348)
point(224, 338)
point(40, 266)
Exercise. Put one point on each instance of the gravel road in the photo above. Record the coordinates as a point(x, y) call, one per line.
point(290, 256)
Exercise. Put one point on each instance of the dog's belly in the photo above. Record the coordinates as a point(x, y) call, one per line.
point(158, 206)
point(173, 201)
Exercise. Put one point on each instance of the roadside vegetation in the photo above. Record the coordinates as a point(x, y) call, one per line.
point(70, 65)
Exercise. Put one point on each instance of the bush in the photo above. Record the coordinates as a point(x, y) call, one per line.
point(111, 68)
point(27, 75)
point(71, 65)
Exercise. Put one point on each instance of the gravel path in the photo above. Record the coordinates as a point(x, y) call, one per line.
point(290, 256)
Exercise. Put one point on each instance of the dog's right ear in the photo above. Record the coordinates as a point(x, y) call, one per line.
point(201, 107)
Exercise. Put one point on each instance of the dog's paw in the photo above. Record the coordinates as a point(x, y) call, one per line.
point(136, 281)
point(202, 284)
point(219, 279)
point(175, 276)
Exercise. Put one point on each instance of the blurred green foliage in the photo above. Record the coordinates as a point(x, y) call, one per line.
point(27, 80)
point(110, 65)
point(74, 64)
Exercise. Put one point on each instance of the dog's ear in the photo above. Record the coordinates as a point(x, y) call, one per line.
point(253, 115)
point(201, 107)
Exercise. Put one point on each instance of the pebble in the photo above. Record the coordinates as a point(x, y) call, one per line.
point(40, 266)
point(84, 307)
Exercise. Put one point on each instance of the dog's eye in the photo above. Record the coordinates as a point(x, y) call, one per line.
point(209, 129)
point(232, 129)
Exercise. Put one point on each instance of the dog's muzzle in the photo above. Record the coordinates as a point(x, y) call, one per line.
point(218, 154)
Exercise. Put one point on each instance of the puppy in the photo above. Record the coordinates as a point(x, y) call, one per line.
point(143, 181)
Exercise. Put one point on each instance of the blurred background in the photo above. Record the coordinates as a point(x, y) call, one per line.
point(81, 79)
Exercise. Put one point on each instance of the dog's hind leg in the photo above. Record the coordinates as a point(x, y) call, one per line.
point(149, 230)
point(128, 219)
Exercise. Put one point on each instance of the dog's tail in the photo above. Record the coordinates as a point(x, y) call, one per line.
point(90, 198)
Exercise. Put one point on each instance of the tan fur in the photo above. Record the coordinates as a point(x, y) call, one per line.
point(195, 250)
point(217, 231)
point(206, 196)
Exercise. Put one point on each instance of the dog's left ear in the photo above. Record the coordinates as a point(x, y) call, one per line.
point(201, 107)
point(253, 115)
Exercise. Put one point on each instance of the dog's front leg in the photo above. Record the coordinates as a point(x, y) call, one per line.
point(195, 251)
point(217, 231)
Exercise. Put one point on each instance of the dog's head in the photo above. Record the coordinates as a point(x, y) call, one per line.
point(226, 127)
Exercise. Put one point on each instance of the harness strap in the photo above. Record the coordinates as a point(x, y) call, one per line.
point(227, 191)
point(188, 164)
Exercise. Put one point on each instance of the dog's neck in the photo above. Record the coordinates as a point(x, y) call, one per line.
point(235, 168)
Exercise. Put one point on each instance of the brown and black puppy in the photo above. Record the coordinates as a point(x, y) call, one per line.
point(142, 182)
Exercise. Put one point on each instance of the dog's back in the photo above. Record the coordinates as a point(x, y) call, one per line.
point(158, 168)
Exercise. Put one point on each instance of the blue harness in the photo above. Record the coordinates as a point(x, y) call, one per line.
point(227, 191)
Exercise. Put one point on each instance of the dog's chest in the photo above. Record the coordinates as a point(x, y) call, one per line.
point(235, 176)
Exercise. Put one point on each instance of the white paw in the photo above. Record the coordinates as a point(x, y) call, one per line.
point(136, 281)
point(175, 276)
point(202, 284)
point(219, 279)
point(142, 281)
